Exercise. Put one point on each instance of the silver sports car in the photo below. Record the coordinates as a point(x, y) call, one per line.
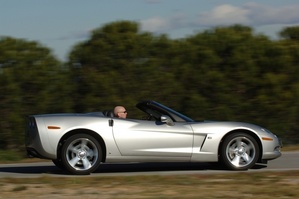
point(79, 143)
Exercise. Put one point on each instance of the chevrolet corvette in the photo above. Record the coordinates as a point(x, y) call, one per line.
point(79, 142)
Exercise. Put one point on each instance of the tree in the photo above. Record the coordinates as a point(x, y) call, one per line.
point(290, 33)
point(31, 82)
point(224, 73)
point(119, 63)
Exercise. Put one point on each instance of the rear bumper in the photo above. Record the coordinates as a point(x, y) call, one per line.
point(32, 153)
point(33, 142)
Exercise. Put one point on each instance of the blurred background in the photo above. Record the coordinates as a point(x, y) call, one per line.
point(221, 73)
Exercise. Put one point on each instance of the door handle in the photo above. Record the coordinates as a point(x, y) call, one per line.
point(110, 122)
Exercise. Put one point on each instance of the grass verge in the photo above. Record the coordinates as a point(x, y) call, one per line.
point(262, 185)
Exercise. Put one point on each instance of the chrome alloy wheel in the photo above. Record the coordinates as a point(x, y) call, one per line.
point(241, 152)
point(82, 154)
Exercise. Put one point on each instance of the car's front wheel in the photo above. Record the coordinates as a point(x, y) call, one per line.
point(239, 151)
point(81, 154)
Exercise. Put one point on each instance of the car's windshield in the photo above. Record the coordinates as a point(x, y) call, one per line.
point(184, 117)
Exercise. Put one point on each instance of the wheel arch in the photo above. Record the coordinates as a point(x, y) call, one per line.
point(252, 134)
point(84, 131)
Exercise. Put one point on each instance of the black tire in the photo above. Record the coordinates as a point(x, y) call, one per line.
point(239, 151)
point(58, 163)
point(81, 154)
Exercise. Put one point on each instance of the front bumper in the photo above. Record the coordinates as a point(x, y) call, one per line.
point(272, 149)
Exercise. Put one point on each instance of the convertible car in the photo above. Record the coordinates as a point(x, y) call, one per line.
point(79, 143)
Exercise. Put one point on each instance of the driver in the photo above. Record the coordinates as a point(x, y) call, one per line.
point(120, 112)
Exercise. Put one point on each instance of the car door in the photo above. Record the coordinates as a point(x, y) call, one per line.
point(150, 138)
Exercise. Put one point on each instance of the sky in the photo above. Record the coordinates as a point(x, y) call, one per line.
point(61, 24)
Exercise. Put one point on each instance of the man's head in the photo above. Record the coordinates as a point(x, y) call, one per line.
point(120, 112)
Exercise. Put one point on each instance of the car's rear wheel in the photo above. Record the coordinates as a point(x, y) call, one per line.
point(239, 151)
point(81, 154)
point(58, 163)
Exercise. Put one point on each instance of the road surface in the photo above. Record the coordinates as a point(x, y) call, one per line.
point(288, 161)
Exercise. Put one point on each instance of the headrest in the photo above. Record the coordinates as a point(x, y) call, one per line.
point(108, 113)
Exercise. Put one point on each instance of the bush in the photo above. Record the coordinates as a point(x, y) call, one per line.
point(10, 156)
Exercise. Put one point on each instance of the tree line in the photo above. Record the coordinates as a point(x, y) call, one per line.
point(223, 73)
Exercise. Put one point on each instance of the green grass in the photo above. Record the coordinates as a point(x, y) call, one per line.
point(7, 156)
point(19, 188)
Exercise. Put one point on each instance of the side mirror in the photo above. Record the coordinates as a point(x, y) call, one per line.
point(166, 119)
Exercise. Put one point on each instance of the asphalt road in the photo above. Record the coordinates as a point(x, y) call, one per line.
point(288, 161)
